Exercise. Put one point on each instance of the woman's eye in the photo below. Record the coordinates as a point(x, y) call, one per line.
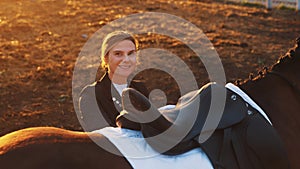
point(131, 53)
point(117, 54)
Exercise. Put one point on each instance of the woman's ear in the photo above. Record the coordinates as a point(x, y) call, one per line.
point(104, 62)
point(106, 59)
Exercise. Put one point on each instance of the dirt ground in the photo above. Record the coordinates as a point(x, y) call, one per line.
point(40, 41)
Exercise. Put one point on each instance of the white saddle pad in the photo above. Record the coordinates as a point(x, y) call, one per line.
point(141, 156)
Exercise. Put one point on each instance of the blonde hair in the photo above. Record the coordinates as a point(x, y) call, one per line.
point(111, 40)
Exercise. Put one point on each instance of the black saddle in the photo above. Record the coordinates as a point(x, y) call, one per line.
point(231, 132)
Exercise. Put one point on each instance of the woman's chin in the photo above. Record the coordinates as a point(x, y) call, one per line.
point(122, 74)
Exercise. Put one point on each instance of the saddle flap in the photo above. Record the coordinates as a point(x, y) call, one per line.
point(235, 110)
point(266, 144)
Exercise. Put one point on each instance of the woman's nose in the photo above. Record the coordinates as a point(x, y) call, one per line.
point(126, 57)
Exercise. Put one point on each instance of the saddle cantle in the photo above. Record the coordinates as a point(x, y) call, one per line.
point(232, 141)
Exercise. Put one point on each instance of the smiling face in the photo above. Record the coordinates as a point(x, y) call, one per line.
point(121, 61)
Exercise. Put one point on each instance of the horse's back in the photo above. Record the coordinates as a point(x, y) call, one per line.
point(48, 147)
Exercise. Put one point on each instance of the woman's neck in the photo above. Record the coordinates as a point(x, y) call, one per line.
point(117, 79)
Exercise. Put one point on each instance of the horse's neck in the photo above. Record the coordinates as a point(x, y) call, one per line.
point(275, 96)
point(261, 90)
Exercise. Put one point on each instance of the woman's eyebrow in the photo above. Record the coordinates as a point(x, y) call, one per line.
point(132, 52)
point(115, 51)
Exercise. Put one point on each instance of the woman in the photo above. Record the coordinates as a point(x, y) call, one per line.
point(100, 102)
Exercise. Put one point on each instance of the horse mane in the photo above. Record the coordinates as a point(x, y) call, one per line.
point(291, 56)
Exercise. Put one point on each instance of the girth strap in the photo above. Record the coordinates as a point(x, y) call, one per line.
point(225, 147)
point(240, 152)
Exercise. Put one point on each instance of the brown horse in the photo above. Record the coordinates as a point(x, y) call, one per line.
point(277, 91)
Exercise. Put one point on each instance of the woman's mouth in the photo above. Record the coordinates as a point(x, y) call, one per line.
point(125, 66)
